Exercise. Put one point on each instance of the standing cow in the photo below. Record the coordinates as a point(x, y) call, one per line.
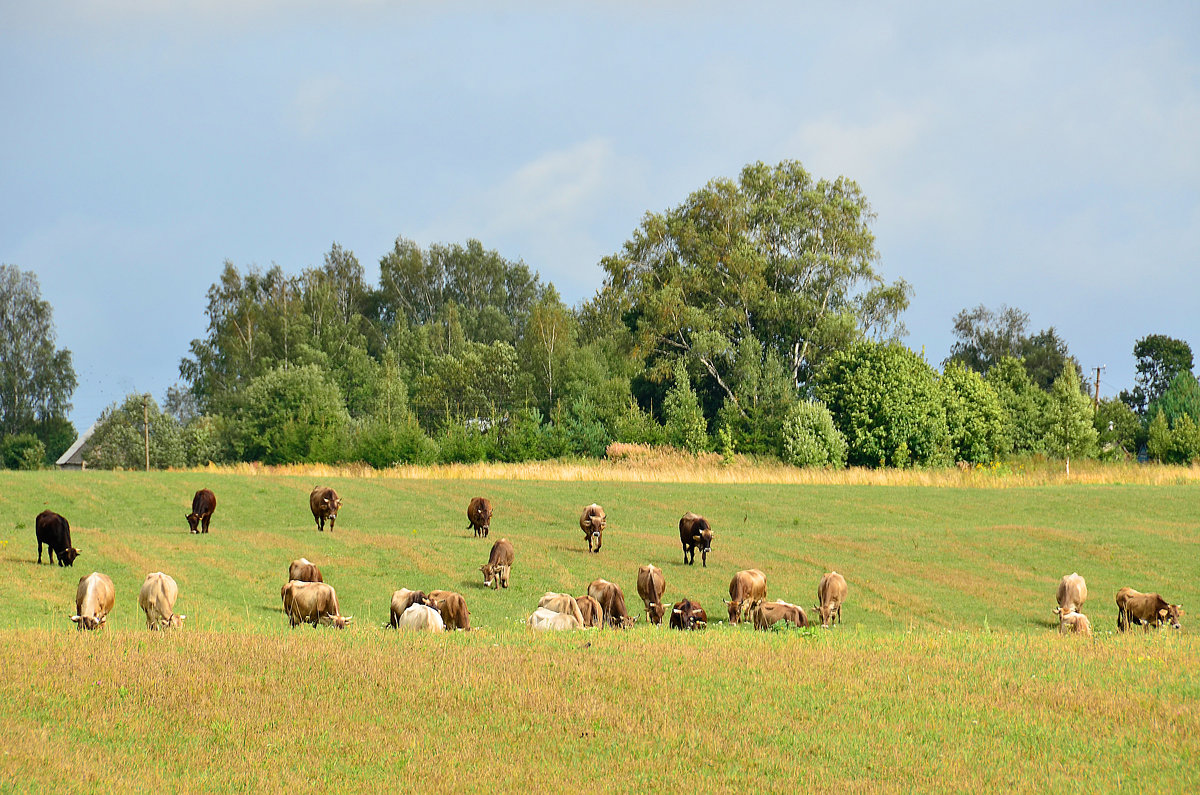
point(612, 602)
point(324, 503)
point(688, 615)
point(54, 531)
point(1145, 609)
point(203, 504)
point(157, 600)
point(651, 585)
point(453, 608)
point(695, 533)
point(831, 592)
point(592, 522)
point(1071, 593)
point(479, 515)
point(747, 588)
point(304, 570)
point(94, 600)
point(313, 603)
point(499, 565)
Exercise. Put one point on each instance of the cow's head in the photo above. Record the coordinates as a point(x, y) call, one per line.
point(735, 610)
point(174, 622)
point(68, 556)
point(491, 574)
point(331, 506)
point(193, 520)
point(626, 622)
point(338, 622)
point(654, 611)
point(1171, 614)
point(826, 612)
point(686, 616)
point(89, 622)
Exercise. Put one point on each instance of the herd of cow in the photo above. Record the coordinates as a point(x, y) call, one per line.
point(308, 599)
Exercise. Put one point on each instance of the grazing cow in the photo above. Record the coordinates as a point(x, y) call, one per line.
point(695, 533)
point(203, 505)
point(479, 514)
point(590, 609)
point(453, 608)
point(421, 618)
point(1074, 622)
point(94, 600)
point(304, 570)
point(313, 603)
point(747, 588)
point(54, 531)
point(404, 599)
point(499, 565)
point(831, 592)
point(651, 585)
point(688, 615)
point(562, 603)
point(157, 600)
point(1146, 609)
point(546, 620)
point(1123, 597)
point(612, 602)
point(1071, 594)
point(324, 503)
point(592, 522)
point(767, 614)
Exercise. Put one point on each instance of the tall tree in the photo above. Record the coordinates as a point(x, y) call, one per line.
point(1070, 428)
point(986, 336)
point(1159, 359)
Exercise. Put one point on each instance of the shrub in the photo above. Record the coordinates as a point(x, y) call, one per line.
point(384, 445)
point(810, 439)
point(974, 416)
point(22, 451)
point(520, 438)
point(293, 416)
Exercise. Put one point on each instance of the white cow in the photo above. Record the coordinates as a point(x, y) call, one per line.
point(421, 618)
point(157, 600)
point(546, 620)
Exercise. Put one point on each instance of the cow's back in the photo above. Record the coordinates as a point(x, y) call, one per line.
point(502, 553)
point(204, 502)
point(562, 603)
point(421, 618)
point(590, 610)
point(453, 608)
point(1071, 592)
point(95, 592)
point(304, 570)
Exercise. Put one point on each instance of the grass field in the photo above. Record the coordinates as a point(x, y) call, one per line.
point(947, 674)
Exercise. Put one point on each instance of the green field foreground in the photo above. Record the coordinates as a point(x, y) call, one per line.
point(947, 675)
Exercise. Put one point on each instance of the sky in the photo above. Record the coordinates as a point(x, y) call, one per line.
point(1038, 155)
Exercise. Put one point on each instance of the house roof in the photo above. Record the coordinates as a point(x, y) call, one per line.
point(75, 448)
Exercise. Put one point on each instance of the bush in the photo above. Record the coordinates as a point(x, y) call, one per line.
point(382, 445)
point(118, 442)
point(974, 416)
point(293, 416)
point(587, 434)
point(22, 451)
point(462, 443)
point(810, 439)
point(520, 437)
point(685, 424)
point(635, 426)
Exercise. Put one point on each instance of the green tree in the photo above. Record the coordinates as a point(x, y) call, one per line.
point(22, 451)
point(548, 345)
point(1120, 429)
point(974, 416)
point(290, 416)
point(985, 337)
point(1159, 441)
point(810, 438)
point(1070, 428)
point(119, 442)
point(1181, 399)
point(1159, 359)
point(1024, 404)
point(686, 428)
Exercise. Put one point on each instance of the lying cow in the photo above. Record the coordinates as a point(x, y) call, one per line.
point(304, 570)
point(562, 603)
point(695, 533)
point(592, 522)
point(1071, 593)
point(590, 610)
point(688, 615)
point(612, 601)
point(157, 600)
point(479, 516)
point(546, 620)
point(421, 618)
point(94, 600)
point(767, 614)
point(831, 592)
point(1146, 609)
point(203, 504)
point(453, 608)
point(1074, 622)
point(324, 503)
point(404, 599)
point(651, 585)
point(54, 531)
point(313, 603)
point(747, 588)
point(499, 565)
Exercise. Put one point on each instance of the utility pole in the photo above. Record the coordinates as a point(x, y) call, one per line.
point(146, 426)
point(1096, 400)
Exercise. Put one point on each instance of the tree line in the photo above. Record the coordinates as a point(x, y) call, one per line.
point(750, 319)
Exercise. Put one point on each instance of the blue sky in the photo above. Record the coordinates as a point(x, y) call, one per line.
point(1044, 156)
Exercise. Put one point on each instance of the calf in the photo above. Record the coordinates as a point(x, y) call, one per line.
point(203, 504)
point(612, 602)
point(404, 599)
point(1074, 622)
point(1071, 593)
point(157, 600)
point(1148, 610)
point(747, 588)
point(688, 615)
point(695, 533)
point(651, 585)
point(313, 603)
point(94, 600)
point(479, 515)
point(562, 603)
point(499, 565)
point(54, 531)
point(592, 522)
point(546, 620)
point(453, 608)
point(590, 610)
point(766, 614)
point(304, 570)
point(831, 592)
point(421, 618)
point(324, 503)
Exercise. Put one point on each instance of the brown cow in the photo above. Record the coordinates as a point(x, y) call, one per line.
point(831, 592)
point(747, 588)
point(453, 608)
point(313, 603)
point(499, 565)
point(324, 503)
point(1071, 593)
point(304, 570)
point(688, 615)
point(203, 504)
point(479, 516)
point(612, 602)
point(590, 609)
point(695, 533)
point(54, 531)
point(562, 603)
point(404, 599)
point(94, 600)
point(1074, 622)
point(157, 600)
point(592, 522)
point(767, 614)
point(651, 585)
point(1146, 609)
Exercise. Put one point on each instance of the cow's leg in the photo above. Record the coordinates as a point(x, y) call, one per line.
point(206, 521)
point(40, 553)
point(703, 558)
point(332, 522)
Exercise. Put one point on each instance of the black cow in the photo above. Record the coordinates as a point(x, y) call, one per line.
point(54, 531)
point(203, 505)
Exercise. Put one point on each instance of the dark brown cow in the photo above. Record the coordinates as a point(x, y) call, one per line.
point(747, 588)
point(688, 615)
point(695, 533)
point(1146, 609)
point(831, 592)
point(404, 599)
point(612, 602)
point(479, 516)
point(500, 561)
point(767, 614)
point(592, 522)
point(304, 570)
point(203, 505)
point(54, 531)
point(453, 608)
point(651, 585)
point(590, 609)
point(324, 503)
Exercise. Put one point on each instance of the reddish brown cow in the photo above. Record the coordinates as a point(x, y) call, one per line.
point(304, 570)
point(592, 522)
point(479, 516)
point(747, 588)
point(453, 608)
point(590, 610)
point(695, 533)
point(688, 615)
point(651, 585)
point(500, 561)
point(612, 602)
point(203, 504)
point(324, 503)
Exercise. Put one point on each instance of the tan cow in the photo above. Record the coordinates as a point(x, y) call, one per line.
point(94, 600)
point(304, 570)
point(831, 592)
point(545, 620)
point(324, 503)
point(453, 608)
point(421, 618)
point(157, 600)
point(592, 522)
point(499, 565)
point(561, 603)
point(404, 599)
point(651, 585)
point(1074, 622)
point(747, 588)
point(1071, 594)
point(612, 602)
point(1146, 609)
point(479, 516)
point(589, 608)
point(766, 614)
point(313, 603)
